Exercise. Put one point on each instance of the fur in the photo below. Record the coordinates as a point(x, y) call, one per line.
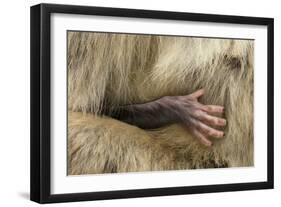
point(115, 69)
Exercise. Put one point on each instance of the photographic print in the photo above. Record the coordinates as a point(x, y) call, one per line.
point(132, 103)
point(141, 102)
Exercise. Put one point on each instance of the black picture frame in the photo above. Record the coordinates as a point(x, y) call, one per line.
point(41, 99)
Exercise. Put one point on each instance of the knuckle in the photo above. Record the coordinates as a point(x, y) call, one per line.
point(209, 108)
point(213, 121)
point(205, 108)
point(212, 133)
point(219, 134)
point(221, 122)
point(205, 130)
point(196, 113)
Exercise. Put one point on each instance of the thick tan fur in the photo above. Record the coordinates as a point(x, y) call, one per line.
point(115, 69)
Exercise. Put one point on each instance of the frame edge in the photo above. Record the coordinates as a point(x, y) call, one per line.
point(35, 25)
point(270, 103)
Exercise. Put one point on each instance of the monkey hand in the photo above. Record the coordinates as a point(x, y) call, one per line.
point(198, 118)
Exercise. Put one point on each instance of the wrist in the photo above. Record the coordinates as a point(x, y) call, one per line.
point(167, 108)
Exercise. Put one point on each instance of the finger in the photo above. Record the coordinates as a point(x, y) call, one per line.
point(201, 138)
point(212, 120)
point(209, 131)
point(197, 94)
point(213, 109)
point(208, 119)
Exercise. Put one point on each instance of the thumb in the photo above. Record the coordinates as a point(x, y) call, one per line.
point(197, 94)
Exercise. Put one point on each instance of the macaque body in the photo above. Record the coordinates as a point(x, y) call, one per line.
point(113, 70)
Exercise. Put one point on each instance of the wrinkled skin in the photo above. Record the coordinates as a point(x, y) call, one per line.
point(201, 120)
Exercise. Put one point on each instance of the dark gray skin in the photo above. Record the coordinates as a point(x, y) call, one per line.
point(198, 118)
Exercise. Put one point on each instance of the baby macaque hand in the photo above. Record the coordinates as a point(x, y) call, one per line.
point(198, 118)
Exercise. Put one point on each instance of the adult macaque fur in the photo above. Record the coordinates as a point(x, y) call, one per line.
point(109, 70)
